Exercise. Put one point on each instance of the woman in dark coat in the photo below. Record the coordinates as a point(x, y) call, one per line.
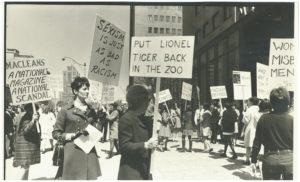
point(28, 140)
point(135, 131)
point(71, 123)
point(228, 120)
point(187, 128)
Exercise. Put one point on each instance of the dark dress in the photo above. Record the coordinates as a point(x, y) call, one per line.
point(134, 130)
point(28, 143)
point(188, 124)
point(77, 164)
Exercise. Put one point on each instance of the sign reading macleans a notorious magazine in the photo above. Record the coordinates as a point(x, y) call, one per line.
point(218, 92)
point(262, 80)
point(164, 96)
point(27, 79)
point(169, 56)
point(108, 93)
point(241, 85)
point(282, 63)
point(107, 50)
point(186, 91)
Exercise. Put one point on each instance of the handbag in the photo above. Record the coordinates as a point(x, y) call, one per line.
point(58, 155)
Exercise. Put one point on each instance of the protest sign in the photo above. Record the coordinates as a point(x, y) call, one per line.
point(186, 91)
point(168, 56)
point(107, 49)
point(241, 85)
point(282, 63)
point(262, 81)
point(164, 95)
point(218, 92)
point(108, 92)
point(27, 79)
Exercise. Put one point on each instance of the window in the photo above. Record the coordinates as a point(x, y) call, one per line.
point(161, 30)
point(69, 76)
point(161, 7)
point(173, 19)
point(173, 31)
point(155, 7)
point(179, 19)
point(167, 31)
point(168, 18)
point(155, 17)
point(149, 29)
point(179, 7)
point(161, 18)
point(150, 17)
point(228, 11)
point(155, 30)
point(205, 29)
point(179, 32)
point(216, 20)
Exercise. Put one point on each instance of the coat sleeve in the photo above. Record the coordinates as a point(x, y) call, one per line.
point(257, 142)
point(113, 116)
point(127, 146)
point(28, 126)
point(59, 126)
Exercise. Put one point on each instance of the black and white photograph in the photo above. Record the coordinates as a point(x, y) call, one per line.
point(126, 90)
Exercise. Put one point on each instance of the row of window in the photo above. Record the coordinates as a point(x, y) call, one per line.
point(166, 7)
point(165, 30)
point(165, 18)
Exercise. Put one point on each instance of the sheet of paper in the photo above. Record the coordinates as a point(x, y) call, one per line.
point(86, 143)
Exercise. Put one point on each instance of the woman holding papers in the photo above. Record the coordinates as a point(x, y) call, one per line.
point(135, 131)
point(71, 123)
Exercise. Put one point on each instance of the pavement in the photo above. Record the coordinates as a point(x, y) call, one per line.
point(168, 165)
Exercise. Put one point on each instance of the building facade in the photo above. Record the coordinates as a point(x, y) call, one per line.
point(68, 76)
point(233, 37)
point(159, 21)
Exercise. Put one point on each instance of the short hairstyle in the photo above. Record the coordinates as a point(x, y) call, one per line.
point(228, 105)
point(136, 95)
point(206, 106)
point(265, 106)
point(280, 99)
point(254, 100)
point(78, 82)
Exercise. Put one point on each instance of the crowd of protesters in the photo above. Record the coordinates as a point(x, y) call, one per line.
point(129, 129)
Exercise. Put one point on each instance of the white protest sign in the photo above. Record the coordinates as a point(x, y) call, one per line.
point(241, 85)
point(108, 92)
point(164, 96)
point(262, 81)
point(186, 92)
point(282, 63)
point(163, 56)
point(107, 49)
point(218, 92)
point(28, 80)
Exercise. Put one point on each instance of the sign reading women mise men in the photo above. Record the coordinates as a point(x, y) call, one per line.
point(169, 57)
point(28, 80)
point(107, 50)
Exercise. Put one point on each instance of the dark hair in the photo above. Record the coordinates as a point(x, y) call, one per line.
point(78, 82)
point(228, 105)
point(136, 95)
point(206, 106)
point(280, 99)
point(254, 100)
point(216, 104)
point(188, 108)
point(60, 104)
point(46, 109)
point(265, 106)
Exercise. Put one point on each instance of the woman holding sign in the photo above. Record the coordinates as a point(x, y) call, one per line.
point(28, 140)
point(135, 131)
point(71, 122)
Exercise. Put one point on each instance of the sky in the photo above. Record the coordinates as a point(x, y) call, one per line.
point(55, 31)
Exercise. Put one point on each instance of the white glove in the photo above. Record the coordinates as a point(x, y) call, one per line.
point(151, 143)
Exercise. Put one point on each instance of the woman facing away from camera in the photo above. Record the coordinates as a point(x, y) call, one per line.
point(71, 122)
point(28, 140)
point(187, 128)
point(207, 124)
point(275, 131)
point(113, 119)
point(135, 132)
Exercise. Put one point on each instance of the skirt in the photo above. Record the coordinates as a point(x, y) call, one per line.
point(164, 131)
point(206, 131)
point(187, 132)
point(177, 122)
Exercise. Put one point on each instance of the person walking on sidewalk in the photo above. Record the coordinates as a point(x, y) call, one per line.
point(113, 119)
point(275, 132)
point(187, 128)
point(165, 128)
point(175, 116)
point(207, 124)
point(227, 122)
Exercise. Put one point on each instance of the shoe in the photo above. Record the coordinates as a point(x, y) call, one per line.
point(210, 150)
point(247, 163)
point(166, 149)
point(223, 155)
point(234, 157)
point(190, 150)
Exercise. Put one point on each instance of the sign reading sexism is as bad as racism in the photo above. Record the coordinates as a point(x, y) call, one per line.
point(28, 80)
point(168, 57)
point(107, 50)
